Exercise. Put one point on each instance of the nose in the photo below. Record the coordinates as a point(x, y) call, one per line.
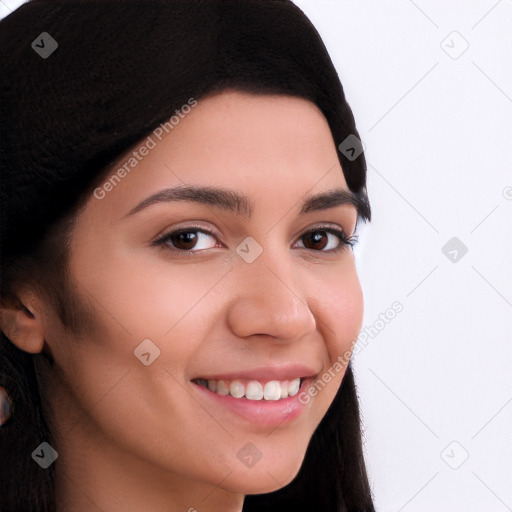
point(268, 300)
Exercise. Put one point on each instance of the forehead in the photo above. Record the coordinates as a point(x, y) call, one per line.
point(262, 144)
point(241, 123)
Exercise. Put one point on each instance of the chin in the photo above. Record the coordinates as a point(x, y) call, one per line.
point(264, 479)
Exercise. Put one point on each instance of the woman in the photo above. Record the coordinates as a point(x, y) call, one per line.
point(179, 294)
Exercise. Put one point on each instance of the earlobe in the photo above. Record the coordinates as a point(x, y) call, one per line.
point(22, 326)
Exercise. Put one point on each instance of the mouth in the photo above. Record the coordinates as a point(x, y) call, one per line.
point(251, 389)
point(264, 396)
point(263, 404)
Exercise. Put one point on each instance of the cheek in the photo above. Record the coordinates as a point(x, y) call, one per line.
point(336, 300)
point(147, 297)
point(348, 308)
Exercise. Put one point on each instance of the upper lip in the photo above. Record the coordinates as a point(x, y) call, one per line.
point(284, 372)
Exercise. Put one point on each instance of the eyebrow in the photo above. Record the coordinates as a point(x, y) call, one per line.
point(240, 204)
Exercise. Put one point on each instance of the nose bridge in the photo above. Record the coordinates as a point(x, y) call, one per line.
point(268, 267)
point(269, 300)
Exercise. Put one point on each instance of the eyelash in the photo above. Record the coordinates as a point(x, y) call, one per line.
point(346, 241)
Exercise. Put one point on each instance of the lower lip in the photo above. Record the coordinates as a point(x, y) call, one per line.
point(267, 413)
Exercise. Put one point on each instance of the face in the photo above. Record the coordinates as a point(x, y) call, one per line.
point(249, 287)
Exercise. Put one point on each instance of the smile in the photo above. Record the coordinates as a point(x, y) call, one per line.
point(253, 389)
point(267, 408)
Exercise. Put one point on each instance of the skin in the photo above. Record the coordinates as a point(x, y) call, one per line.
point(135, 437)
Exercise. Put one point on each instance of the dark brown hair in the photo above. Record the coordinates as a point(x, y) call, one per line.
point(122, 68)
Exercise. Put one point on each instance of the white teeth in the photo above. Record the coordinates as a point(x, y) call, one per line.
point(222, 389)
point(236, 389)
point(254, 390)
point(284, 389)
point(272, 390)
point(293, 387)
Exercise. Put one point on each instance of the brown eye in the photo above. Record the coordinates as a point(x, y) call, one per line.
point(315, 240)
point(184, 240)
point(318, 239)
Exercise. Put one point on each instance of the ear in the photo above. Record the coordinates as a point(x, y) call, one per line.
point(21, 321)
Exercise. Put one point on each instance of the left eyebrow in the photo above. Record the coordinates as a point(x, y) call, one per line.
point(336, 197)
point(241, 205)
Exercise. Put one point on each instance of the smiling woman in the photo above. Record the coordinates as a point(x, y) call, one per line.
point(183, 341)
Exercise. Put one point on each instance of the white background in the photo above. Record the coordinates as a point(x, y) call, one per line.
point(434, 382)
